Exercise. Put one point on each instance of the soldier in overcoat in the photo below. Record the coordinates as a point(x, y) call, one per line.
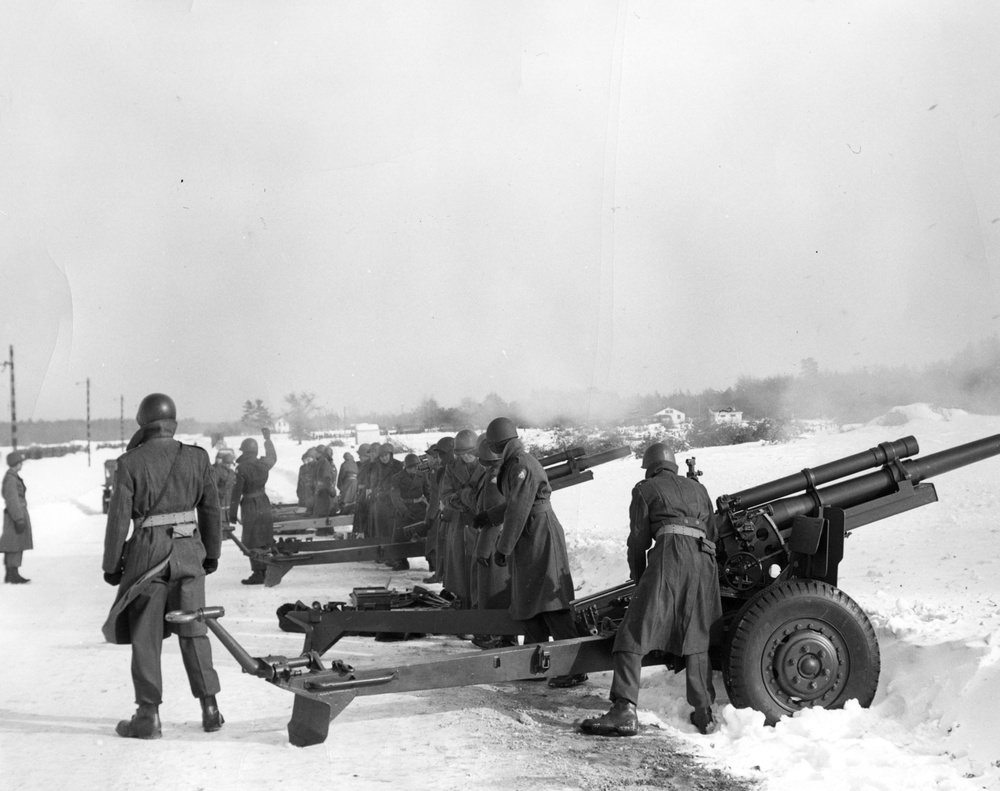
point(676, 603)
point(383, 511)
point(167, 491)
point(361, 505)
point(446, 452)
point(249, 497)
point(458, 507)
point(305, 485)
point(16, 536)
point(225, 477)
point(490, 582)
point(533, 543)
point(325, 483)
point(347, 483)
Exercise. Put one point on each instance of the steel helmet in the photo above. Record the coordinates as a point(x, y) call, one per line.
point(348, 456)
point(446, 445)
point(363, 449)
point(386, 447)
point(465, 441)
point(249, 445)
point(155, 406)
point(658, 454)
point(500, 430)
point(486, 455)
point(411, 460)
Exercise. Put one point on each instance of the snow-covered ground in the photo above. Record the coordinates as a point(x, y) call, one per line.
point(929, 579)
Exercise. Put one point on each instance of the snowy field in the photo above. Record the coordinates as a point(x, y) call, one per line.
point(929, 579)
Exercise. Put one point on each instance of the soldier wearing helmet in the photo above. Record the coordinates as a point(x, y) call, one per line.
point(225, 477)
point(325, 486)
point(410, 489)
point(251, 500)
point(384, 513)
point(347, 483)
point(166, 490)
point(458, 506)
point(671, 556)
point(305, 486)
point(362, 505)
point(490, 582)
point(533, 540)
point(16, 537)
point(433, 472)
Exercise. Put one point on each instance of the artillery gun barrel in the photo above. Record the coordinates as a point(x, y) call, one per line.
point(868, 487)
point(816, 476)
point(582, 462)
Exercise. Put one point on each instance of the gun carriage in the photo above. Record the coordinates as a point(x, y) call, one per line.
point(789, 638)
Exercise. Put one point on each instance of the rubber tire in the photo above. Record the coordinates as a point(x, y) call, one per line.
point(793, 634)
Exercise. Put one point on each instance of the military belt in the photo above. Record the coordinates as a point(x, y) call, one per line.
point(671, 529)
point(183, 523)
point(415, 500)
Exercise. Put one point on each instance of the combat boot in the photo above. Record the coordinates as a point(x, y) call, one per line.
point(255, 578)
point(14, 576)
point(621, 720)
point(211, 717)
point(703, 720)
point(145, 723)
point(564, 682)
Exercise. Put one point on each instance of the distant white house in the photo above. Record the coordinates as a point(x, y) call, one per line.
point(728, 415)
point(366, 433)
point(671, 416)
point(281, 426)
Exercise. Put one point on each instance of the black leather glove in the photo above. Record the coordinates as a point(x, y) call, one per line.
point(113, 579)
point(266, 432)
point(481, 520)
point(484, 561)
point(501, 559)
point(210, 565)
point(20, 527)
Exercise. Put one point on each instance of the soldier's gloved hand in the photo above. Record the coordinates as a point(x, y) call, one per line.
point(266, 432)
point(210, 565)
point(481, 520)
point(113, 579)
point(484, 561)
point(500, 558)
point(20, 526)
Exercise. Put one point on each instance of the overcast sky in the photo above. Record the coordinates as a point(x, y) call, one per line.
point(383, 201)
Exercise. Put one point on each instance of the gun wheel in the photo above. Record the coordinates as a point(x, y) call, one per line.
point(797, 645)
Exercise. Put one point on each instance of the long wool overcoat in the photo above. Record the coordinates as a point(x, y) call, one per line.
point(16, 535)
point(142, 474)
point(677, 600)
point(458, 499)
point(490, 582)
point(532, 538)
point(249, 497)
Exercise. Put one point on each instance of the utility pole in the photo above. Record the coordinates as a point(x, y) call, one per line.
point(88, 421)
point(13, 400)
point(121, 420)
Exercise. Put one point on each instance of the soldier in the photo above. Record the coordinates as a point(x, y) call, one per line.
point(458, 506)
point(225, 477)
point(326, 489)
point(16, 537)
point(490, 582)
point(386, 466)
point(446, 451)
point(250, 498)
point(409, 490)
point(533, 540)
point(676, 601)
point(360, 522)
point(431, 517)
point(347, 483)
point(305, 486)
point(167, 490)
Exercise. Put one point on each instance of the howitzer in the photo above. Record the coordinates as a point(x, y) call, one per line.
point(790, 639)
point(564, 469)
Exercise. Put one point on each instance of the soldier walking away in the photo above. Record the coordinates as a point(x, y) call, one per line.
point(541, 585)
point(676, 602)
point(167, 490)
point(249, 497)
point(16, 537)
